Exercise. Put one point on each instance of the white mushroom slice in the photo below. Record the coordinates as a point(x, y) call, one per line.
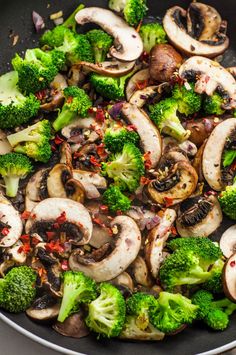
point(80, 123)
point(140, 77)
point(5, 146)
point(50, 209)
point(36, 189)
point(128, 45)
point(140, 97)
point(17, 255)
point(141, 273)
point(10, 217)
point(125, 280)
point(210, 75)
point(228, 241)
point(91, 182)
point(212, 154)
point(200, 220)
point(150, 138)
point(113, 68)
point(229, 278)
point(179, 37)
point(170, 143)
point(156, 241)
point(127, 246)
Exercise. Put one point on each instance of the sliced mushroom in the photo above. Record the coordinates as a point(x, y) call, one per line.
point(5, 146)
point(74, 326)
point(141, 97)
point(201, 219)
point(126, 248)
point(79, 123)
point(175, 187)
point(150, 138)
point(156, 240)
point(36, 189)
point(56, 94)
point(232, 71)
point(141, 273)
point(128, 45)
point(228, 241)
point(77, 224)
point(229, 278)
point(212, 155)
point(132, 331)
point(137, 80)
point(187, 147)
point(15, 254)
point(201, 129)
point(113, 68)
point(197, 162)
point(91, 182)
point(173, 23)
point(210, 76)
point(44, 308)
point(123, 280)
point(66, 155)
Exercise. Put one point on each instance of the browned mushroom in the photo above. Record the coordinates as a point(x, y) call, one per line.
point(44, 309)
point(111, 68)
point(229, 278)
point(66, 155)
point(36, 189)
point(92, 182)
point(56, 97)
point(74, 326)
point(228, 241)
point(141, 273)
point(201, 129)
point(123, 280)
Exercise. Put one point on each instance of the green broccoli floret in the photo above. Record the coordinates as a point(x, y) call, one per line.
point(70, 22)
point(107, 312)
point(35, 71)
point(77, 103)
point(139, 305)
point(214, 284)
point(125, 168)
point(189, 102)
point(58, 59)
point(111, 88)
point(172, 311)
point(164, 115)
point(14, 167)
point(115, 199)
point(33, 141)
point(227, 201)
point(133, 10)
point(15, 108)
point(132, 331)
point(203, 299)
point(152, 34)
point(212, 105)
point(217, 319)
point(229, 156)
point(115, 138)
point(17, 289)
point(100, 42)
point(77, 289)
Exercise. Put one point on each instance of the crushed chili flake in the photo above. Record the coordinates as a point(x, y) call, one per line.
point(233, 263)
point(173, 230)
point(5, 231)
point(24, 248)
point(100, 115)
point(141, 84)
point(62, 218)
point(64, 265)
point(25, 238)
point(101, 150)
point(53, 148)
point(168, 201)
point(58, 140)
point(25, 215)
point(69, 100)
point(41, 94)
point(131, 127)
point(56, 226)
point(97, 221)
point(233, 166)
point(55, 246)
point(104, 208)
point(50, 235)
point(139, 26)
point(94, 161)
point(147, 160)
point(35, 241)
point(41, 272)
point(144, 180)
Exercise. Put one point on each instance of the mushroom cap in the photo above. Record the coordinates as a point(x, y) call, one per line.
point(113, 68)
point(11, 217)
point(228, 241)
point(44, 308)
point(229, 278)
point(74, 326)
point(128, 45)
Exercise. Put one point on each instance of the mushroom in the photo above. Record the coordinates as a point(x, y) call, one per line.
point(156, 240)
point(171, 144)
point(150, 138)
point(128, 45)
point(91, 182)
point(76, 223)
point(133, 332)
point(141, 273)
point(19, 257)
point(10, 222)
point(74, 326)
point(61, 184)
point(66, 155)
point(229, 278)
point(44, 308)
point(173, 185)
point(36, 189)
point(173, 23)
point(5, 146)
point(228, 241)
point(210, 76)
point(141, 97)
point(113, 68)
point(213, 151)
point(197, 162)
point(202, 218)
point(56, 98)
point(79, 123)
point(140, 78)
point(123, 280)
point(201, 129)
point(126, 247)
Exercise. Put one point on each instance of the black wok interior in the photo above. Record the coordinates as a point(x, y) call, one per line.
point(15, 18)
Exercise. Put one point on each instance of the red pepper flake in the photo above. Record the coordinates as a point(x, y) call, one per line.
point(25, 215)
point(24, 248)
point(110, 232)
point(25, 238)
point(168, 201)
point(58, 140)
point(173, 230)
point(34, 241)
point(33, 216)
point(100, 115)
point(144, 180)
point(101, 150)
point(119, 213)
point(41, 271)
point(97, 221)
point(62, 218)
point(64, 265)
point(131, 128)
point(56, 226)
point(53, 148)
point(141, 84)
point(69, 100)
point(147, 160)
point(5, 231)
point(104, 208)
point(233, 263)
point(50, 235)
point(54, 246)
point(41, 94)
point(94, 161)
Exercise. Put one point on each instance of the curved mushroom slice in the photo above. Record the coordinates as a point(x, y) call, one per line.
point(140, 97)
point(5, 146)
point(141, 273)
point(56, 98)
point(15, 253)
point(123, 280)
point(171, 144)
point(128, 43)
point(210, 76)
point(178, 36)
point(139, 79)
point(202, 219)
point(150, 138)
point(74, 326)
point(45, 308)
point(156, 240)
point(201, 129)
point(76, 222)
point(213, 151)
point(113, 68)
point(36, 189)
point(177, 186)
point(126, 248)
point(131, 331)
point(229, 278)
point(79, 123)
point(228, 241)
point(66, 155)
point(91, 182)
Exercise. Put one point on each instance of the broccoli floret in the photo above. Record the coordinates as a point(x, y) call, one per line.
point(229, 156)
point(152, 34)
point(214, 284)
point(139, 305)
point(164, 116)
point(107, 312)
point(17, 289)
point(132, 331)
point(217, 319)
point(188, 100)
point(33, 141)
point(35, 71)
point(133, 10)
point(100, 42)
point(70, 22)
point(227, 201)
point(125, 168)
point(115, 138)
point(203, 299)
point(58, 58)
point(77, 103)
point(115, 199)
point(77, 289)
point(111, 88)
point(172, 311)
point(14, 167)
point(15, 108)
point(212, 105)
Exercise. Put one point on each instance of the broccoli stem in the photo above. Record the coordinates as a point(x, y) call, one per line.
point(70, 21)
point(12, 183)
point(176, 130)
point(63, 119)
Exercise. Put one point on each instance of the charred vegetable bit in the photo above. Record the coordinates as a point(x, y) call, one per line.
point(101, 43)
point(152, 34)
point(227, 201)
point(133, 10)
point(116, 200)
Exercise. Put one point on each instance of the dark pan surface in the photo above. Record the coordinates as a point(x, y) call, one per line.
point(15, 17)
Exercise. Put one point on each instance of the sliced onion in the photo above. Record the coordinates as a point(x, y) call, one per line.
point(38, 21)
